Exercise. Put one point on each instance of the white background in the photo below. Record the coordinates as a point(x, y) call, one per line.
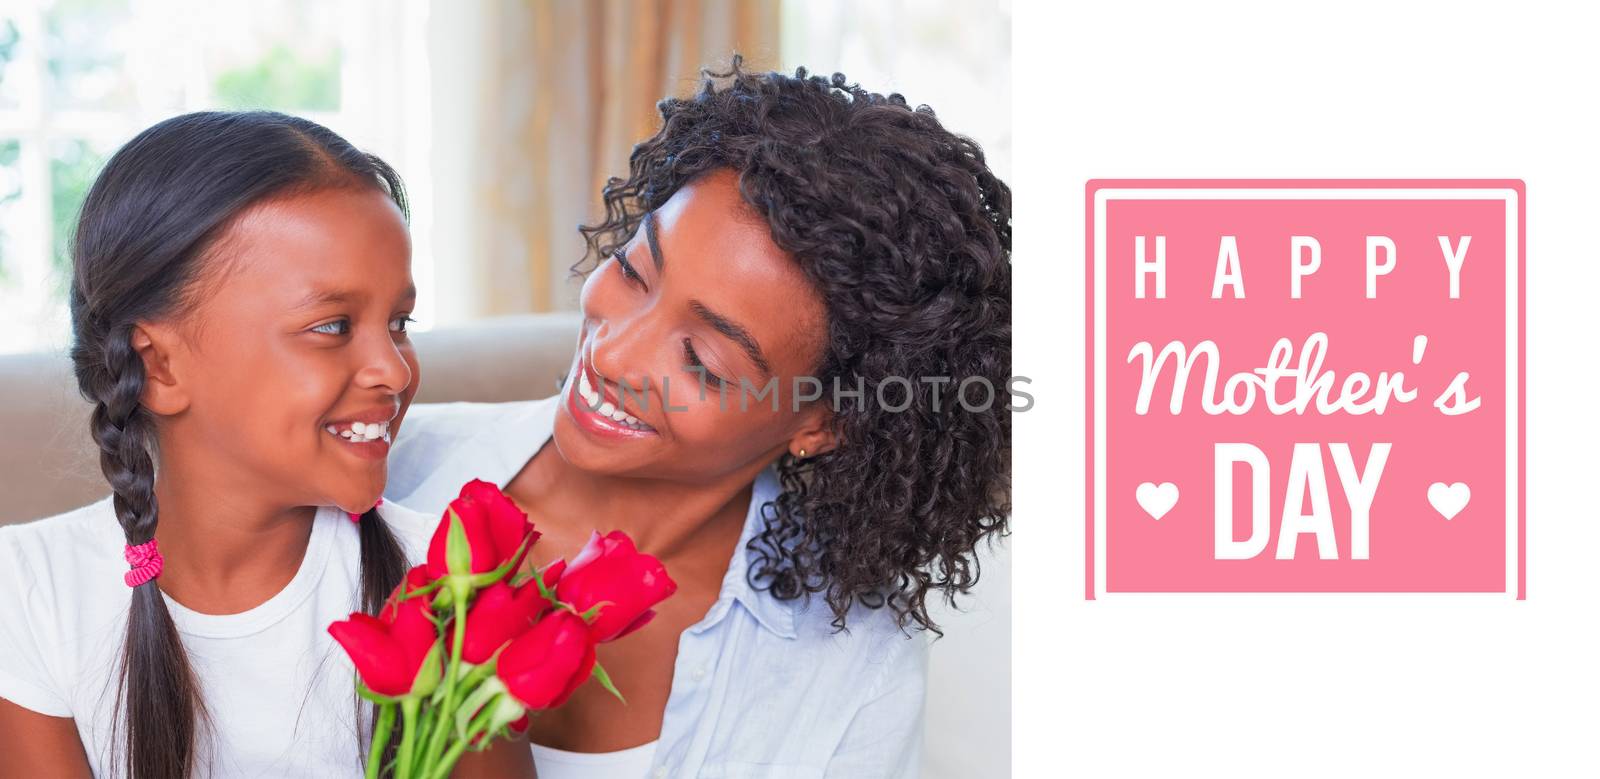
point(1301, 685)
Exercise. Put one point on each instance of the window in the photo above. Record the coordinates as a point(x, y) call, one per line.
point(80, 77)
point(954, 55)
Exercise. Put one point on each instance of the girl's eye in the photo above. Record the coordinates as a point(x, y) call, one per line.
point(399, 324)
point(336, 327)
point(700, 367)
point(627, 268)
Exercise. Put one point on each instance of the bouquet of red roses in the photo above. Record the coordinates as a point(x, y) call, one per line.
point(468, 645)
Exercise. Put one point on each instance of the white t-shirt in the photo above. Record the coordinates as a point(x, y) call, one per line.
point(279, 689)
point(631, 763)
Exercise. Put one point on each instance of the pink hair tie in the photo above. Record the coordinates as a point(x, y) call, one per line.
point(146, 562)
point(357, 517)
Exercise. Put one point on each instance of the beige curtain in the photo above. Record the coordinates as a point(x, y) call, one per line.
point(566, 89)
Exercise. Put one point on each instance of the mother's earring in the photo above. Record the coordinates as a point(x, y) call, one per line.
point(802, 454)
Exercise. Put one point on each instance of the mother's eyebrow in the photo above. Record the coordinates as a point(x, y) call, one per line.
point(732, 330)
point(650, 238)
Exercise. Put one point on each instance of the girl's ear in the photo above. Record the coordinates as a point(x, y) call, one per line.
point(157, 345)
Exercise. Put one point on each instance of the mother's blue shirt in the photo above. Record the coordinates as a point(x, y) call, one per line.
point(762, 687)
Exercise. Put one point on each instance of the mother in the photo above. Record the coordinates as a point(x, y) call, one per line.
point(778, 239)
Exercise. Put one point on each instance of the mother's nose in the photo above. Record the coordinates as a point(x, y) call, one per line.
point(624, 355)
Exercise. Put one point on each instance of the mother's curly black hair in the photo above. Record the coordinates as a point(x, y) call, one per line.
point(906, 235)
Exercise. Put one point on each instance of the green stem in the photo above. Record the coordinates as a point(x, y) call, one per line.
point(408, 738)
point(380, 740)
point(448, 762)
point(425, 726)
point(476, 676)
point(467, 688)
point(446, 714)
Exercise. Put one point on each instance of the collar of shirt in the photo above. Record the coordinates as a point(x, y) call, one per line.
point(777, 616)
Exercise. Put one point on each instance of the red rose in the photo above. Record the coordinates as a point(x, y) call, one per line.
point(498, 614)
point(415, 579)
point(610, 569)
point(397, 655)
point(495, 529)
point(542, 667)
point(552, 573)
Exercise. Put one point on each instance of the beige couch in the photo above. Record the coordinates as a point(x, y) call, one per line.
point(48, 465)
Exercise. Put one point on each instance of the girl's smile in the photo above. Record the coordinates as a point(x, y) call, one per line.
point(366, 434)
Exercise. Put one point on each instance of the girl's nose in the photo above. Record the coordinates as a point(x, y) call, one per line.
point(383, 367)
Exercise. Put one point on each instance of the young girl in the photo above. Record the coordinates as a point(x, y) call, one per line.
point(240, 296)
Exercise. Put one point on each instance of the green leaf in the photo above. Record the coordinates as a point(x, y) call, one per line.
point(604, 679)
point(417, 592)
point(427, 680)
point(594, 611)
point(457, 549)
point(544, 590)
point(444, 602)
point(367, 694)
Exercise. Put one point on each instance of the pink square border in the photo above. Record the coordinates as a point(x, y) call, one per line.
point(1095, 185)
